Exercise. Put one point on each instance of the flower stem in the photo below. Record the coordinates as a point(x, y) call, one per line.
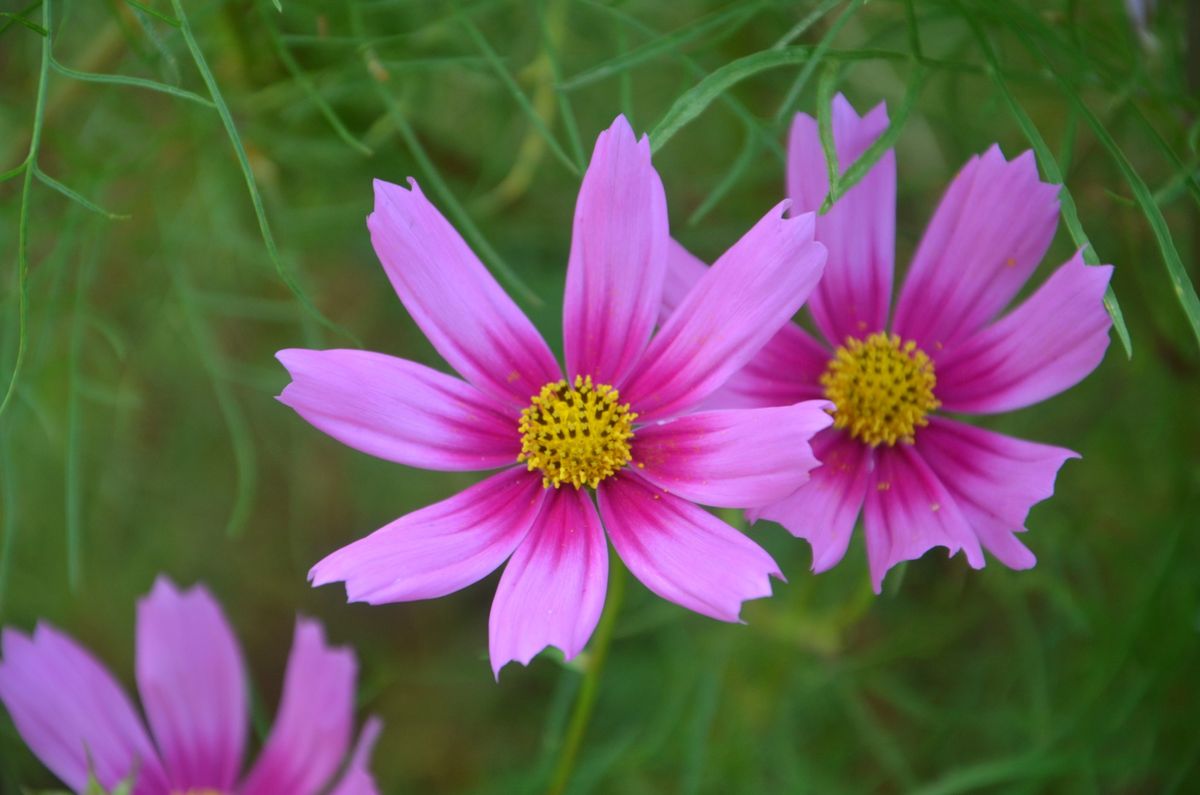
point(581, 714)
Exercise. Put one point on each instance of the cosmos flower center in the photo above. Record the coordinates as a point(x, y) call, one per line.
point(882, 387)
point(577, 434)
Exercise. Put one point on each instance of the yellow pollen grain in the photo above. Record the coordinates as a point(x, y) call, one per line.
point(882, 388)
point(576, 433)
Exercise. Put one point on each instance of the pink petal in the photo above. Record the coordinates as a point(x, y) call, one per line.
point(68, 709)
point(859, 231)
point(995, 480)
point(357, 780)
point(787, 369)
point(1046, 345)
point(824, 511)
point(552, 591)
point(739, 304)
point(732, 459)
point(682, 552)
point(988, 234)
point(192, 681)
point(909, 511)
point(469, 319)
point(684, 271)
point(400, 410)
point(440, 548)
point(618, 258)
point(312, 728)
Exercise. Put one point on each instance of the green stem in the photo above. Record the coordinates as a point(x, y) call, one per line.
point(581, 714)
point(35, 139)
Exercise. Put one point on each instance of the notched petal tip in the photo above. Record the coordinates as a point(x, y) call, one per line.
point(499, 663)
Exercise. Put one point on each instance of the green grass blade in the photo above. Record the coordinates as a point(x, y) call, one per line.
point(14, 171)
point(914, 33)
point(825, 127)
point(726, 22)
point(74, 196)
point(1185, 176)
point(867, 160)
point(18, 19)
point(1053, 173)
point(744, 160)
point(244, 458)
point(539, 124)
point(251, 184)
point(12, 19)
point(976, 777)
point(798, 30)
point(160, 16)
point(767, 137)
point(306, 85)
point(554, 25)
point(1185, 291)
point(458, 213)
point(135, 82)
point(73, 485)
point(696, 99)
point(8, 513)
point(35, 139)
point(793, 95)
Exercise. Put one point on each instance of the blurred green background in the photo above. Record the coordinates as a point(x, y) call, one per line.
point(142, 436)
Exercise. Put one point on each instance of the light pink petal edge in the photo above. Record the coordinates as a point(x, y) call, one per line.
point(461, 308)
point(682, 552)
point(399, 410)
point(734, 458)
point(825, 510)
point(786, 370)
point(737, 306)
point(70, 711)
point(909, 511)
point(618, 258)
point(441, 548)
point(552, 590)
point(995, 479)
point(357, 778)
point(311, 734)
point(1046, 345)
point(989, 232)
point(192, 681)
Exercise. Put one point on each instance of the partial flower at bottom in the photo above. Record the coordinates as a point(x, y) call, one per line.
point(78, 720)
point(620, 420)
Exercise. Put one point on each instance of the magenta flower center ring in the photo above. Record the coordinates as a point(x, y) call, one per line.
point(882, 388)
point(576, 433)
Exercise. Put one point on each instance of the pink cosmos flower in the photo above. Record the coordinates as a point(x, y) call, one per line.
point(619, 419)
point(76, 717)
point(922, 480)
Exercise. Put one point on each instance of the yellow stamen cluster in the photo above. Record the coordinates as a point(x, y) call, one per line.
point(577, 434)
point(883, 388)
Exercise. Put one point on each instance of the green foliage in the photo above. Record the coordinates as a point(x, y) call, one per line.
point(138, 432)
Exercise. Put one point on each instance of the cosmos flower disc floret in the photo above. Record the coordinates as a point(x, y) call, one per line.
point(576, 433)
point(611, 445)
point(881, 388)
